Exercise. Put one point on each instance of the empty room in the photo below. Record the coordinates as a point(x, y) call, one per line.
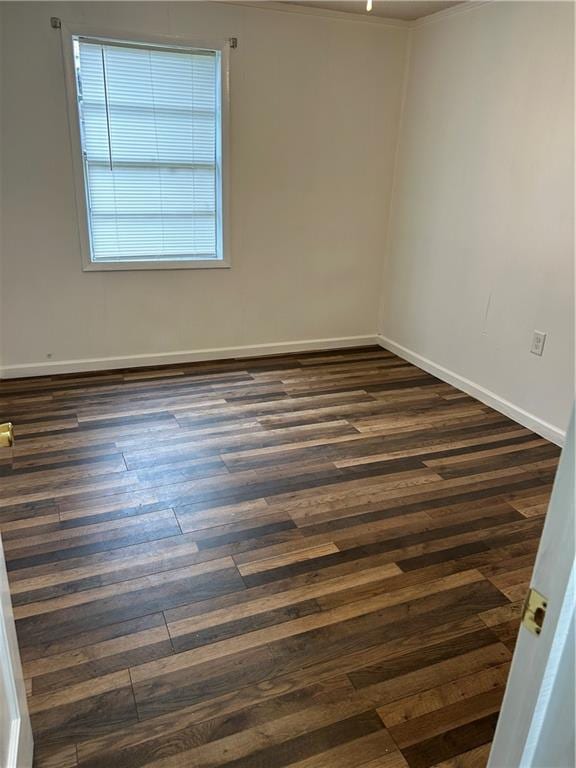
point(287, 384)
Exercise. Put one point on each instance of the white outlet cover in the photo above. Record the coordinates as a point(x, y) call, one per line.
point(538, 341)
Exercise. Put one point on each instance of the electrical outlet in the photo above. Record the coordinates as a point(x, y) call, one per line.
point(538, 341)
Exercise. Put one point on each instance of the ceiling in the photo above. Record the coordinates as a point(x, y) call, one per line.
point(409, 10)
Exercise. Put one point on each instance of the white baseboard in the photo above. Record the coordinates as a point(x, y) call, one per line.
point(529, 420)
point(54, 367)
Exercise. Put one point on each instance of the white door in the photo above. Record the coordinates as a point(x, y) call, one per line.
point(536, 725)
point(15, 732)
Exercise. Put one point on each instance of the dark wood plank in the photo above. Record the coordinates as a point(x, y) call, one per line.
point(309, 559)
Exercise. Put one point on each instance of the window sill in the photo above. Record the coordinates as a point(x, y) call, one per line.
point(116, 266)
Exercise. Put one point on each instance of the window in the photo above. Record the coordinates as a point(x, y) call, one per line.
point(150, 130)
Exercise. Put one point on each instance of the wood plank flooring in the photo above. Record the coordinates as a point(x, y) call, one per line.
point(313, 561)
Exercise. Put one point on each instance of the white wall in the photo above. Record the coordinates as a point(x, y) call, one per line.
point(481, 247)
point(315, 104)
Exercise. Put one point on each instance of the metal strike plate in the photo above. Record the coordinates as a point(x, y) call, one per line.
point(6, 435)
point(534, 611)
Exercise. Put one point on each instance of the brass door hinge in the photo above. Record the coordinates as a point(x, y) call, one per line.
point(534, 611)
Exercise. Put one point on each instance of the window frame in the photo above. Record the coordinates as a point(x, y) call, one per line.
point(80, 186)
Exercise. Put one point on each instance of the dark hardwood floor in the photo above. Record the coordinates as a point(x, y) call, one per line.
point(315, 561)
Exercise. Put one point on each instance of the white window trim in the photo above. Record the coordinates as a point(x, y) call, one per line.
point(223, 208)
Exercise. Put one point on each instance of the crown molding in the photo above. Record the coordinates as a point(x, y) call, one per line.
point(465, 7)
point(286, 7)
point(356, 18)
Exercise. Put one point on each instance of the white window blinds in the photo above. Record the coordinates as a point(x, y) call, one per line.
point(150, 132)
